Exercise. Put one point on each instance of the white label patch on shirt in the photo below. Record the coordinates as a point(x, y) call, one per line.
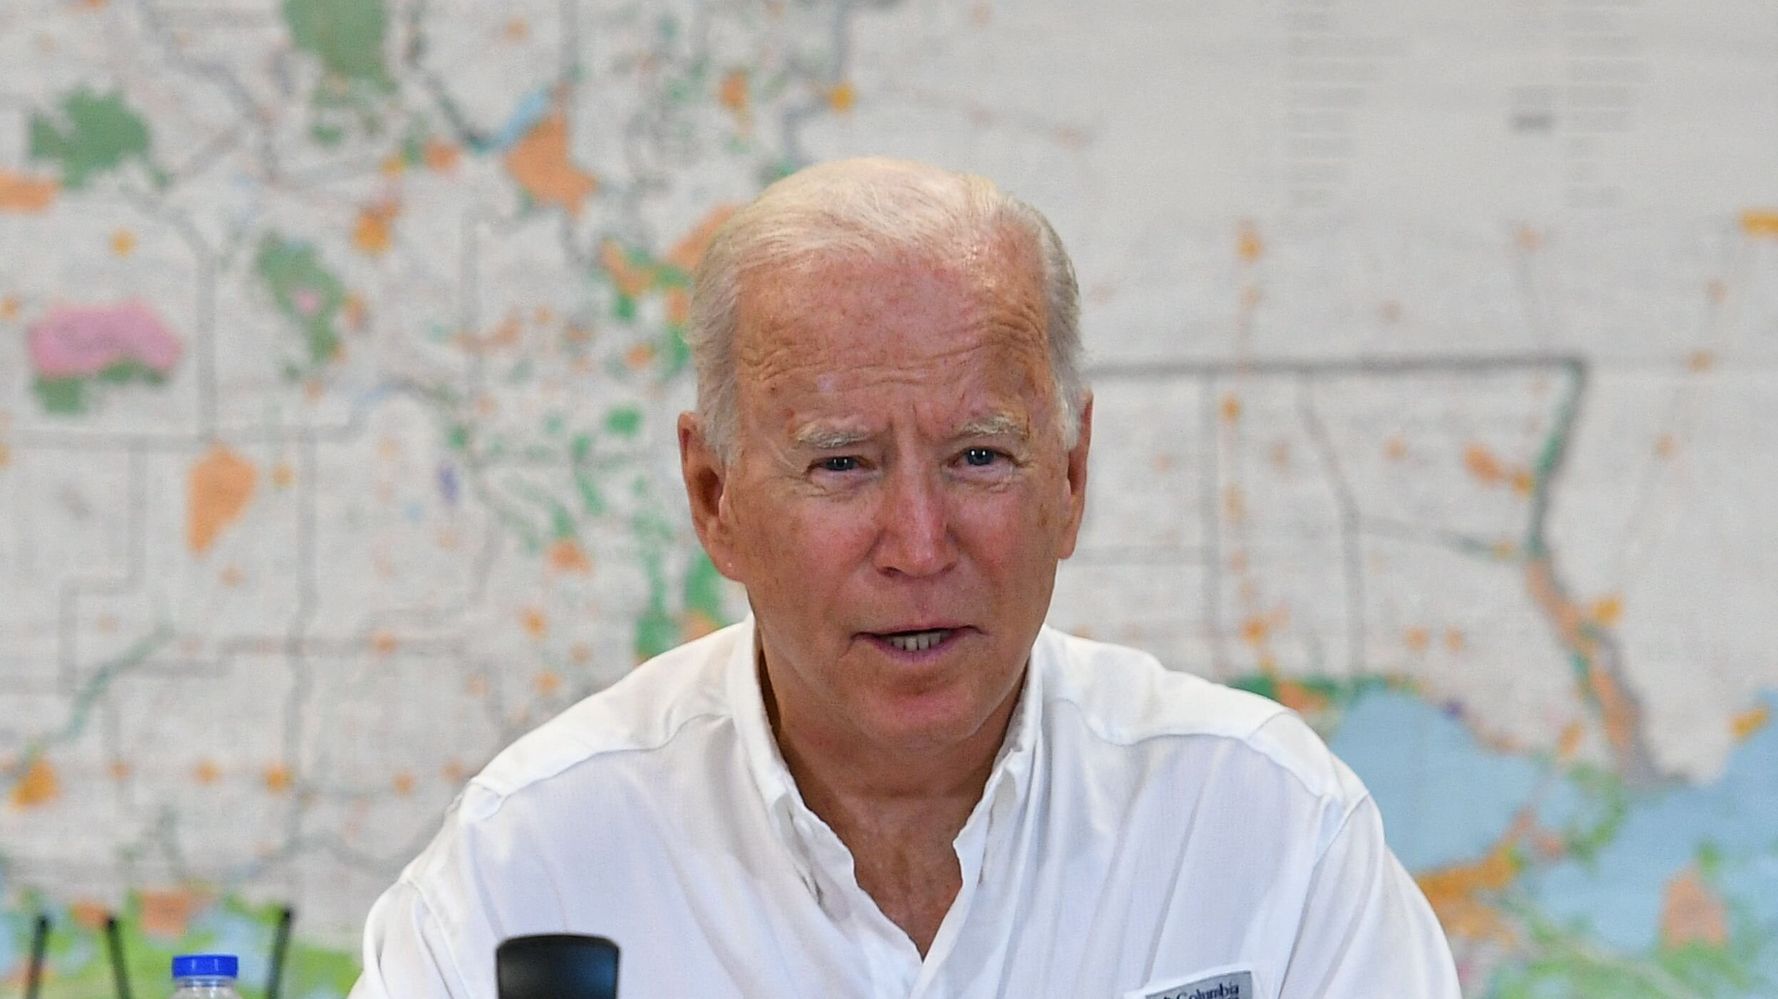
point(1221, 984)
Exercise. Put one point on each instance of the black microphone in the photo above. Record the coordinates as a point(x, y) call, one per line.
point(556, 966)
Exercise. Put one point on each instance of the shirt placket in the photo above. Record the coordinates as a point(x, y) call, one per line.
point(888, 959)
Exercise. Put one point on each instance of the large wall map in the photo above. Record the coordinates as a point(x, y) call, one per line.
point(1435, 348)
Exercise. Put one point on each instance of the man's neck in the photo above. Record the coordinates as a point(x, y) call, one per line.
point(849, 782)
point(898, 813)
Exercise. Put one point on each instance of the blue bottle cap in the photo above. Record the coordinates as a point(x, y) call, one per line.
point(206, 966)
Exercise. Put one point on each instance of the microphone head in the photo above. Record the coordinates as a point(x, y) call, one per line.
point(556, 966)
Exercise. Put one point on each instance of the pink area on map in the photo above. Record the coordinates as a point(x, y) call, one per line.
point(82, 341)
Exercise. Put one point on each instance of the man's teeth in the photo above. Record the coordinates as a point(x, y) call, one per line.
point(916, 641)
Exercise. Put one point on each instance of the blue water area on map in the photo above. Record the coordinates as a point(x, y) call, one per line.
point(1445, 797)
point(12, 952)
point(531, 109)
point(1618, 897)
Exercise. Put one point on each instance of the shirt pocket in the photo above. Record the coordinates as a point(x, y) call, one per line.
point(1228, 981)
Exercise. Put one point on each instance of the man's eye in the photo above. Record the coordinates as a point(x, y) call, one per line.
point(980, 457)
point(842, 463)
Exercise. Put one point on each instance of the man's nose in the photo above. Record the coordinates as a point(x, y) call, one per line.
point(914, 532)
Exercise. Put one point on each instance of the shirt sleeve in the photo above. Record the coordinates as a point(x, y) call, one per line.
point(405, 952)
point(1366, 928)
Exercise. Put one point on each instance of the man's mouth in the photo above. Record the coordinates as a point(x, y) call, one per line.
point(917, 641)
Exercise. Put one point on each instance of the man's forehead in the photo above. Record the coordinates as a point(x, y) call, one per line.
point(853, 298)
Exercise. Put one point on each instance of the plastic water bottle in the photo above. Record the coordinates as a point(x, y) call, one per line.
point(205, 976)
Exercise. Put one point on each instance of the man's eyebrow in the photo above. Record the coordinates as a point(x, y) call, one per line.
point(995, 425)
point(816, 437)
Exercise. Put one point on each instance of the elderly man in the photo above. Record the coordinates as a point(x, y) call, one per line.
point(892, 780)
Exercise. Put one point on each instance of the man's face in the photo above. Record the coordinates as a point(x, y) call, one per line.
point(901, 495)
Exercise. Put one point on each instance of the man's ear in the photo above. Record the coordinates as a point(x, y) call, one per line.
point(705, 479)
point(1077, 477)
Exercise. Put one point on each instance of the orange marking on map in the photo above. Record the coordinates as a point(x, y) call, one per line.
point(1456, 892)
point(1607, 610)
point(509, 333)
point(1569, 742)
point(1453, 640)
point(678, 307)
point(1248, 246)
point(1395, 448)
point(403, 783)
point(393, 165)
point(696, 624)
point(732, 94)
point(5, 455)
point(540, 164)
point(374, 231)
point(1482, 465)
point(219, 488)
point(630, 279)
point(383, 642)
point(277, 778)
point(1760, 223)
point(283, 475)
point(354, 313)
point(536, 624)
point(690, 248)
point(453, 771)
point(168, 913)
point(231, 576)
point(1701, 361)
point(206, 772)
point(123, 242)
point(120, 770)
point(1255, 630)
point(639, 356)
point(1522, 481)
point(1664, 446)
point(842, 96)
point(566, 555)
point(21, 194)
point(37, 787)
point(1692, 913)
point(440, 156)
point(1562, 612)
point(1745, 724)
point(1528, 239)
point(1234, 504)
point(1230, 408)
point(517, 30)
point(1416, 639)
point(9, 307)
point(89, 914)
point(547, 683)
point(1300, 698)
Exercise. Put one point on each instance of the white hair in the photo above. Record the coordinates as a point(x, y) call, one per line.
point(877, 209)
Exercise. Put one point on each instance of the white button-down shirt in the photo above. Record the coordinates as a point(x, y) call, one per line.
point(1144, 833)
